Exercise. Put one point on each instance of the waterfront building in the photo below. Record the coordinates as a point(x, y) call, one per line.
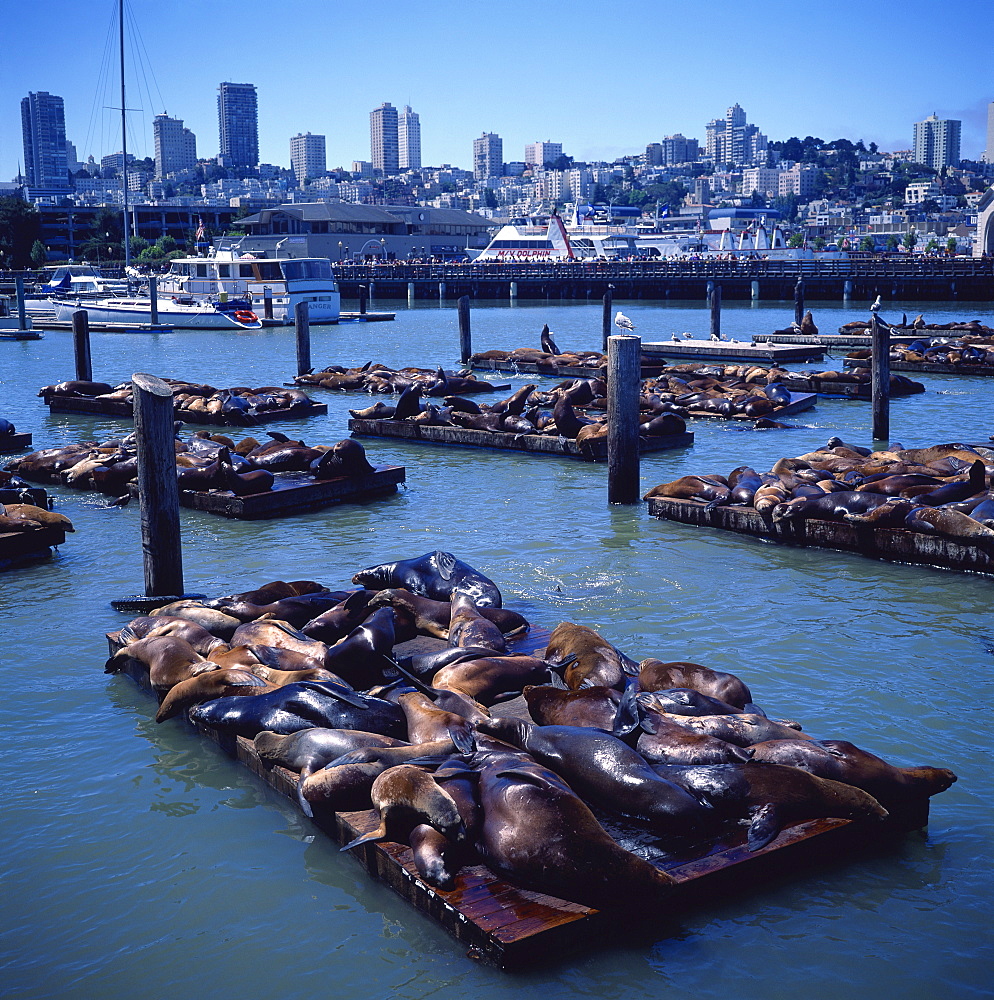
point(238, 125)
point(307, 157)
point(488, 156)
point(409, 139)
point(937, 142)
point(733, 140)
point(175, 146)
point(43, 128)
point(537, 154)
point(384, 140)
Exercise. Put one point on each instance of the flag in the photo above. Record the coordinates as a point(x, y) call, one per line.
point(200, 229)
point(664, 212)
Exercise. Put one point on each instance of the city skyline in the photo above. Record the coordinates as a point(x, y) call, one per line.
point(464, 95)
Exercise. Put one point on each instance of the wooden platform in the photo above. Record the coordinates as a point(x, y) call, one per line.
point(715, 349)
point(514, 928)
point(54, 324)
point(39, 497)
point(828, 340)
point(926, 368)
point(20, 547)
point(649, 369)
point(887, 544)
point(293, 493)
point(14, 442)
point(536, 444)
point(799, 401)
point(8, 334)
point(367, 317)
point(119, 408)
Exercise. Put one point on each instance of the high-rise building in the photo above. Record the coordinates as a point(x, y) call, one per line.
point(238, 125)
point(43, 126)
point(307, 156)
point(488, 156)
point(175, 146)
point(989, 151)
point(679, 149)
point(937, 142)
point(409, 139)
point(384, 142)
point(733, 140)
point(539, 153)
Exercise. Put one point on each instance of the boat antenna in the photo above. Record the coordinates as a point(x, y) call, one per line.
point(124, 143)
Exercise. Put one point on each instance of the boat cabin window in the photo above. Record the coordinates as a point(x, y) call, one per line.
point(269, 270)
point(245, 271)
point(201, 270)
point(297, 269)
point(224, 270)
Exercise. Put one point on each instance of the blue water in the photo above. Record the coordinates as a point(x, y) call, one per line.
point(139, 861)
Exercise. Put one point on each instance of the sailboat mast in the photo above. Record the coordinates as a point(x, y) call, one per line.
point(124, 144)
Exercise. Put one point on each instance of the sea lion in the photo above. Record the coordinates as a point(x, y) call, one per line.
point(770, 796)
point(486, 678)
point(655, 675)
point(428, 664)
point(337, 622)
point(539, 834)
point(310, 749)
point(592, 707)
point(273, 632)
point(169, 660)
point(206, 686)
point(346, 458)
point(436, 575)
point(433, 617)
point(361, 656)
point(951, 492)
point(427, 722)
point(197, 636)
point(691, 488)
point(301, 706)
point(29, 512)
point(828, 506)
point(743, 730)
point(951, 524)
point(345, 783)
point(467, 627)
point(586, 658)
point(666, 742)
point(406, 796)
point(217, 622)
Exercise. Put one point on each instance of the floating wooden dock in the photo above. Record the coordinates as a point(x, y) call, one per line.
point(367, 317)
point(121, 408)
point(13, 334)
point(14, 442)
point(725, 350)
point(649, 368)
point(536, 444)
point(293, 493)
point(54, 324)
point(926, 368)
point(888, 544)
point(828, 340)
point(20, 547)
point(799, 401)
point(514, 928)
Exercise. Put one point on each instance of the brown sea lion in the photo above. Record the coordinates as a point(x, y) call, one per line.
point(169, 660)
point(666, 742)
point(432, 617)
point(208, 685)
point(743, 730)
point(486, 678)
point(657, 675)
point(281, 634)
point(595, 707)
point(427, 722)
point(217, 622)
point(467, 627)
point(706, 488)
point(29, 512)
point(587, 659)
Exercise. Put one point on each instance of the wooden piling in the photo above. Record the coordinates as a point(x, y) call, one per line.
point(302, 321)
point(623, 388)
point(157, 486)
point(716, 313)
point(363, 299)
point(465, 333)
point(81, 345)
point(754, 291)
point(267, 302)
point(799, 301)
point(708, 292)
point(606, 316)
point(880, 378)
point(22, 316)
point(153, 299)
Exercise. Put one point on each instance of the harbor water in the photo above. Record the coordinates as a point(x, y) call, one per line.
point(139, 861)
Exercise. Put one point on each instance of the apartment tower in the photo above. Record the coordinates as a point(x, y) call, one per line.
point(238, 125)
point(409, 139)
point(175, 146)
point(43, 126)
point(307, 157)
point(383, 139)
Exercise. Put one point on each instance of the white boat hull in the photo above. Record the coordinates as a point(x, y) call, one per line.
point(192, 317)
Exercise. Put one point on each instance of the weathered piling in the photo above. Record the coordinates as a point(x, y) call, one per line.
point(716, 312)
point(22, 316)
point(606, 316)
point(363, 299)
point(81, 345)
point(267, 302)
point(880, 378)
point(302, 321)
point(158, 489)
point(153, 299)
point(465, 333)
point(623, 388)
point(799, 301)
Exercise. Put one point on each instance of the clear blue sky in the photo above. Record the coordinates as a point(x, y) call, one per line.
point(604, 77)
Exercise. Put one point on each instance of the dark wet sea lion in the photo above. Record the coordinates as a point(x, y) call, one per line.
point(686, 701)
point(604, 770)
point(432, 617)
point(743, 730)
point(310, 749)
point(539, 834)
point(361, 656)
point(209, 685)
point(436, 575)
point(587, 659)
point(951, 492)
point(829, 507)
point(593, 707)
point(337, 622)
point(888, 515)
point(657, 675)
point(301, 706)
point(428, 664)
point(485, 679)
point(770, 796)
point(346, 458)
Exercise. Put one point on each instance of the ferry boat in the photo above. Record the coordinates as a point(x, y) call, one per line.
point(227, 274)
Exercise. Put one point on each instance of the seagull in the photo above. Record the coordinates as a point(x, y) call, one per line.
point(622, 322)
point(875, 308)
point(675, 338)
point(715, 336)
point(688, 336)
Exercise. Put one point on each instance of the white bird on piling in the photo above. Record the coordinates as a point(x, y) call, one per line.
point(875, 308)
point(622, 322)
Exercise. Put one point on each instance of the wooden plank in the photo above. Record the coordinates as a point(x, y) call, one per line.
point(531, 443)
point(799, 402)
point(723, 349)
point(649, 368)
point(925, 367)
point(14, 442)
point(27, 494)
point(887, 544)
point(19, 547)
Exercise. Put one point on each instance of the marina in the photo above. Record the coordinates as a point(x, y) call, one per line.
point(249, 863)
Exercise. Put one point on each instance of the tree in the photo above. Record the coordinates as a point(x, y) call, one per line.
point(952, 245)
point(892, 242)
point(910, 240)
point(20, 226)
point(796, 241)
point(866, 244)
point(758, 199)
point(929, 205)
point(819, 243)
point(932, 245)
point(39, 253)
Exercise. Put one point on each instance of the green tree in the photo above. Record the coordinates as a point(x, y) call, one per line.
point(796, 241)
point(39, 253)
point(892, 242)
point(819, 243)
point(910, 240)
point(867, 244)
point(952, 245)
point(932, 245)
point(20, 226)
